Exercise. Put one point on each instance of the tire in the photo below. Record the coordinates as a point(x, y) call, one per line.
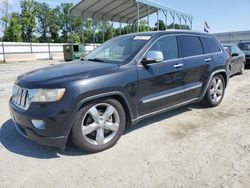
point(215, 92)
point(242, 68)
point(93, 131)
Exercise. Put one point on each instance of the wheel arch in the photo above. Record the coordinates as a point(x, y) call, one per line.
point(217, 72)
point(113, 95)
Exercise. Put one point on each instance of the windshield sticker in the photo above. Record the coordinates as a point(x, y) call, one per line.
point(142, 38)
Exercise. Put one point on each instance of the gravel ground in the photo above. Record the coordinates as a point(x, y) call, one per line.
point(189, 147)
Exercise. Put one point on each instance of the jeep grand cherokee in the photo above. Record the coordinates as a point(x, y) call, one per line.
point(125, 80)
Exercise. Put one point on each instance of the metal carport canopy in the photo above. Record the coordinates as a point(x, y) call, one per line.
point(123, 11)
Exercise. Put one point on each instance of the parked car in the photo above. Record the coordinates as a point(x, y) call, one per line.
point(245, 47)
point(123, 81)
point(238, 60)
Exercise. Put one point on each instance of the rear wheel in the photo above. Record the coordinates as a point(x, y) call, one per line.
point(99, 125)
point(215, 92)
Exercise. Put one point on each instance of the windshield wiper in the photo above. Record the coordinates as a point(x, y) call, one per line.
point(95, 59)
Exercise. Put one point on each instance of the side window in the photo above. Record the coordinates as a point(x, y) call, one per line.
point(190, 46)
point(168, 46)
point(238, 50)
point(210, 46)
point(234, 50)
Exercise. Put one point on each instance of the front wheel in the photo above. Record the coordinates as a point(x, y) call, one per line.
point(99, 125)
point(215, 92)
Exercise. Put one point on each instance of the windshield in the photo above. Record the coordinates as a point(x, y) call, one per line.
point(119, 50)
point(244, 46)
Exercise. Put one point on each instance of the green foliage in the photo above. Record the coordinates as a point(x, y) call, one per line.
point(177, 26)
point(73, 38)
point(162, 26)
point(28, 19)
point(48, 23)
point(14, 29)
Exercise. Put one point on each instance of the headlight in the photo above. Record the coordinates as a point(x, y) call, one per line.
point(47, 95)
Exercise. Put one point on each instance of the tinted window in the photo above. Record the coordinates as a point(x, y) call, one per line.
point(168, 46)
point(235, 50)
point(190, 46)
point(244, 46)
point(210, 45)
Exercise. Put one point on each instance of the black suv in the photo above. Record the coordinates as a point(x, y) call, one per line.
point(123, 81)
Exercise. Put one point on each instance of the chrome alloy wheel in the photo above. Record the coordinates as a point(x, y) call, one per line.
point(217, 89)
point(100, 124)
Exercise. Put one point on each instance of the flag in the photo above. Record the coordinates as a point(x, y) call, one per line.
point(206, 27)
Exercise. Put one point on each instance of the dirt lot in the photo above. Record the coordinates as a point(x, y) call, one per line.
point(189, 147)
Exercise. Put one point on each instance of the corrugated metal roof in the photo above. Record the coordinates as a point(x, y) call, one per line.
point(123, 11)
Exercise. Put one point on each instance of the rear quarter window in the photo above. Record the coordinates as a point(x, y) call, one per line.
point(190, 46)
point(210, 45)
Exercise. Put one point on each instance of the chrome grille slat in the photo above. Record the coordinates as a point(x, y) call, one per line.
point(20, 97)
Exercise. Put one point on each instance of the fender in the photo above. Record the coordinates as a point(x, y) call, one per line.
point(210, 79)
point(108, 94)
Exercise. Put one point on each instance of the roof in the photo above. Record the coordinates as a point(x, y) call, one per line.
point(123, 11)
point(168, 32)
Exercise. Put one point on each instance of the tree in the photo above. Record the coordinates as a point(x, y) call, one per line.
point(177, 26)
point(162, 26)
point(48, 23)
point(143, 25)
point(43, 12)
point(13, 31)
point(28, 19)
point(4, 10)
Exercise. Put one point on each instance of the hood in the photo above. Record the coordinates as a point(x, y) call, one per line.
point(66, 71)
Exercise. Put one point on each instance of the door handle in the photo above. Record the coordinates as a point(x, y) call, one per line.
point(178, 65)
point(208, 59)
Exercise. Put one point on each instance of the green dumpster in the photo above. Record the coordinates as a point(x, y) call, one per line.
point(73, 51)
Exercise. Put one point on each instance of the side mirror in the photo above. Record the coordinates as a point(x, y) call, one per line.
point(152, 57)
point(235, 54)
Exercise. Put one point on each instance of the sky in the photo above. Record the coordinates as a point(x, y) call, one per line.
point(221, 15)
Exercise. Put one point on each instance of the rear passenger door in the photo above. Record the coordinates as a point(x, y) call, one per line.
point(197, 65)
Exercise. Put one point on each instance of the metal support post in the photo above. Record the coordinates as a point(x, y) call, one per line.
point(180, 22)
point(138, 17)
point(148, 17)
point(31, 51)
point(112, 34)
point(93, 32)
point(50, 57)
point(158, 24)
point(166, 19)
point(82, 31)
point(173, 16)
point(103, 34)
point(120, 29)
point(3, 51)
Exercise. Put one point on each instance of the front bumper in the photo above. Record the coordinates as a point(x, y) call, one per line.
point(48, 137)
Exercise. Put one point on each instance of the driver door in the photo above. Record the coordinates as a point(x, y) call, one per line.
point(161, 84)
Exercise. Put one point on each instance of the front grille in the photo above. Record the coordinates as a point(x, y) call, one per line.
point(20, 97)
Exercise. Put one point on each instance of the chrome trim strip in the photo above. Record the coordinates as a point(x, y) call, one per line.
point(171, 94)
point(165, 109)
